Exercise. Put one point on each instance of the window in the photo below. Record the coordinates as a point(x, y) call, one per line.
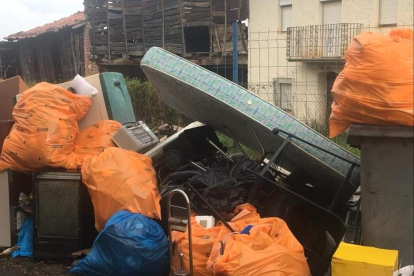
point(285, 14)
point(283, 93)
point(388, 12)
point(331, 12)
point(197, 39)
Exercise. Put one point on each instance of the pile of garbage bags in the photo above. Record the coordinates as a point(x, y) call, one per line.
point(46, 132)
point(376, 85)
point(260, 246)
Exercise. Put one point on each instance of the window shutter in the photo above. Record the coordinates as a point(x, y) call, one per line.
point(285, 2)
point(331, 12)
point(286, 17)
point(388, 12)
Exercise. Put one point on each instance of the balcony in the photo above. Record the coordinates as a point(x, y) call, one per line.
point(320, 42)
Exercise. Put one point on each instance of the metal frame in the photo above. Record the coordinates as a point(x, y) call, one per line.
point(181, 225)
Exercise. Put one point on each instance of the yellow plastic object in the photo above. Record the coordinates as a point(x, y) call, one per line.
point(358, 260)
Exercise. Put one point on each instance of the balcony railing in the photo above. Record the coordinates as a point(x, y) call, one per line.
point(320, 42)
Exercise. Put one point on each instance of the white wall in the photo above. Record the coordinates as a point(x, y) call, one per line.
point(267, 49)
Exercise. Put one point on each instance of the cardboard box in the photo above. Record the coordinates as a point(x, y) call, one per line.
point(98, 110)
point(8, 89)
point(358, 260)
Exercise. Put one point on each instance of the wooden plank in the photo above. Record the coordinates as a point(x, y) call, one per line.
point(93, 31)
point(142, 26)
point(217, 37)
point(182, 28)
point(124, 26)
point(73, 53)
point(107, 31)
point(211, 27)
point(163, 24)
point(225, 27)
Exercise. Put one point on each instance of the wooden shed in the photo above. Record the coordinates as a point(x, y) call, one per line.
point(54, 52)
point(199, 30)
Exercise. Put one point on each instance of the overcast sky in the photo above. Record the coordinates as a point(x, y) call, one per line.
point(23, 15)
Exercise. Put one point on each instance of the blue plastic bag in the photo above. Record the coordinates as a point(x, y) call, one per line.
point(129, 245)
point(25, 239)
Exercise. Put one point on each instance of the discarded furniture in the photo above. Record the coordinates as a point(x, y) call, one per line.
point(63, 215)
point(387, 162)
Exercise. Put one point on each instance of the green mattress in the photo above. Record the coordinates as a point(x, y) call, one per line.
point(215, 101)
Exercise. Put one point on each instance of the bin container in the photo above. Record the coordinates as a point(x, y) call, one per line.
point(386, 186)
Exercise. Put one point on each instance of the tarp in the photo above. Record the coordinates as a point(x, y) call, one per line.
point(376, 85)
point(118, 179)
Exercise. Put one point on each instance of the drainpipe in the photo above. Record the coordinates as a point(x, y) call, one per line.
point(235, 53)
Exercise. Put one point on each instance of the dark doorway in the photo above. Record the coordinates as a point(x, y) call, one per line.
point(330, 79)
point(197, 39)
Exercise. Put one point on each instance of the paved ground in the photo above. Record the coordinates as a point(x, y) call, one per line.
point(27, 266)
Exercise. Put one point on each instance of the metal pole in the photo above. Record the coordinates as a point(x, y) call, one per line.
point(235, 53)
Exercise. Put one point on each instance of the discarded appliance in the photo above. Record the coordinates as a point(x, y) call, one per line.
point(137, 137)
point(130, 244)
point(359, 260)
point(63, 215)
point(112, 102)
point(313, 175)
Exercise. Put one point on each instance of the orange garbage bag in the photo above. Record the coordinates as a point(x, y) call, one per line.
point(202, 241)
point(96, 138)
point(376, 85)
point(269, 249)
point(118, 179)
point(45, 129)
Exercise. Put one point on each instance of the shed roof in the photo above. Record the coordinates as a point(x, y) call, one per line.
point(50, 27)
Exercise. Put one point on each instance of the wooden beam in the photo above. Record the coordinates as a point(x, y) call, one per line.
point(225, 27)
point(217, 38)
point(124, 28)
point(142, 26)
point(163, 24)
point(182, 28)
point(71, 41)
point(203, 61)
point(211, 28)
point(93, 31)
point(107, 30)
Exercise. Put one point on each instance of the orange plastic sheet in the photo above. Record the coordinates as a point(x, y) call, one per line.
point(376, 85)
point(96, 138)
point(45, 129)
point(269, 249)
point(118, 179)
